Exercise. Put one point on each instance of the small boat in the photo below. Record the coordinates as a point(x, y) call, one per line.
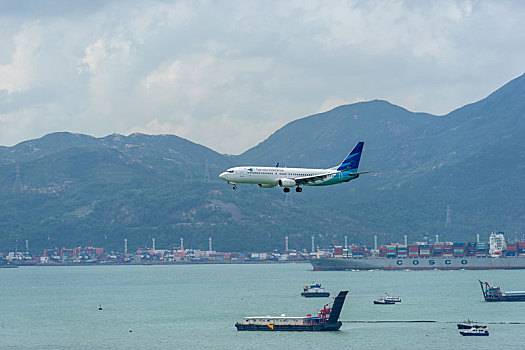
point(475, 331)
point(314, 290)
point(384, 301)
point(326, 320)
point(468, 325)
point(394, 299)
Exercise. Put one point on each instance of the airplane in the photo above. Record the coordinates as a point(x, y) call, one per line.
point(269, 177)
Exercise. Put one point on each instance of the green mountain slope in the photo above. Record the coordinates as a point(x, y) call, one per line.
point(79, 190)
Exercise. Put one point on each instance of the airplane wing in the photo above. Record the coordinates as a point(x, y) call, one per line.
point(322, 177)
point(314, 178)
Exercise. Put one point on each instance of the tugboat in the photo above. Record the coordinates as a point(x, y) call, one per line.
point(468, 325)
point(475, 331)
point(384, 301)
point(326, 320)
point(314, 291)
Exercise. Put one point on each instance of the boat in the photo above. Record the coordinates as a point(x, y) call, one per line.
point(327, 319)
point(468, 325)
point(491, 293)
point(314, 291)
point(394, 299)
point(384, 301)
point(475, 331)
point(424, 256)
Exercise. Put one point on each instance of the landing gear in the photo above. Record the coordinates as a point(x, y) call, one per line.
point(298, 189)
point(286, 190)
point(234, 187)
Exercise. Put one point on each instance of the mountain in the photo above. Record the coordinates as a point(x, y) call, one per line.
point(69, 189)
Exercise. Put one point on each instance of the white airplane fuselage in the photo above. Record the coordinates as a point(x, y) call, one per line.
point(268, 177)
point(284, 177)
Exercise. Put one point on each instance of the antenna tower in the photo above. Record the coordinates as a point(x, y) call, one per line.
point(206, 172)
point(448, 223)
point(18, 181)
point(187, 175)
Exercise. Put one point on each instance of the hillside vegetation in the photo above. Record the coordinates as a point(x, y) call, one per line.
point(76, 189)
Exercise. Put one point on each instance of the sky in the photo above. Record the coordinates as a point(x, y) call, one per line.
point(227, 74)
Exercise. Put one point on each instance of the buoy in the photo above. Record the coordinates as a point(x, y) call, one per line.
point(130, 330)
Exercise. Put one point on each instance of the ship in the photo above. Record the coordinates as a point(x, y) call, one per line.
point(327, 319)
point(423, 256)
point(491, 293)
point(314, 291)
point(475, 332)
point(384, 301)
point(468, 325)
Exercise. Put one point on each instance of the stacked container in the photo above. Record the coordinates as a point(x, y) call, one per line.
point(448, 250)
point(413, 251)
point(391, 251)
point(459, 249)
point(512, 249)
point(521, 248)
point(338, 252)
point(402, 251)
point(471, 249)
point(424, 250)
point(382, 251)
point(437, 250)
point(482, 249)
point(358, 252)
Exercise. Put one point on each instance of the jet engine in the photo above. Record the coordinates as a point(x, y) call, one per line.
point(265, 186)
point(287, 183)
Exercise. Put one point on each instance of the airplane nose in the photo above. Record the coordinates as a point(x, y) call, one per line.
point(223, 176)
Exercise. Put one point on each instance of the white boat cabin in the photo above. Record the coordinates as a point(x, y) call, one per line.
point(281, 320)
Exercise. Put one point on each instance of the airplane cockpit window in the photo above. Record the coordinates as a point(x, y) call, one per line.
point(230, 171)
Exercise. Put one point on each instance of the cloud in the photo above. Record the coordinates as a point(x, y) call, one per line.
point(228, 74)
point(20, 74)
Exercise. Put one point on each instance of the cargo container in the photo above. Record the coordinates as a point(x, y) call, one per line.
point(476, 257)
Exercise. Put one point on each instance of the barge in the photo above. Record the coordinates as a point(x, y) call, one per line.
point(491, 293)
point(326, 320)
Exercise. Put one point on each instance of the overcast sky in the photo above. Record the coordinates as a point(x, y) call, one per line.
point(227, 74)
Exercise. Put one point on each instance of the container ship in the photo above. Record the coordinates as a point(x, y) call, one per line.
point(496, 254)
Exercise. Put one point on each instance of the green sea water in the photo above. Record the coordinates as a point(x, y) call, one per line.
point(196, 307)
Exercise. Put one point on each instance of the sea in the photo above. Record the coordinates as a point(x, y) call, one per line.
point(196, 307)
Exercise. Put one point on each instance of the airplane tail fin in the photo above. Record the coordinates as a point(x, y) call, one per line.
point(351, 161)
